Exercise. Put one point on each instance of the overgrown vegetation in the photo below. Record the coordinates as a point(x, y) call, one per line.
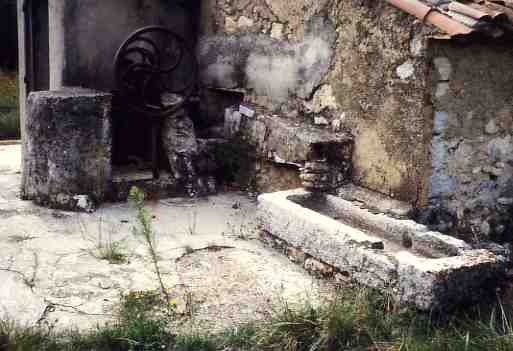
point(9, 115)
point(131, 332)
point(355, 320)
point(235, 160)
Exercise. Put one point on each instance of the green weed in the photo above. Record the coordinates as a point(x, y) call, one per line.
point(145, 230)
point(195, 342)
point(9, 115)
point(105, 248)
point(9, 124)
point(356, 320)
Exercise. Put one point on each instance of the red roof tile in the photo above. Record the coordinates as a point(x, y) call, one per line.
point(493, 18)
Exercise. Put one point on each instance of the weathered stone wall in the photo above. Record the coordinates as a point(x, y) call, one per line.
point(432, 120)
point(380, 80)
point(471, 186)
point(338, 64)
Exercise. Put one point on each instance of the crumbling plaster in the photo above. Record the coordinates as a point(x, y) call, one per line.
point(380, 79)
point(368, 74)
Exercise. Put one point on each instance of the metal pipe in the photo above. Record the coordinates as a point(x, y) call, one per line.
point(431, 15)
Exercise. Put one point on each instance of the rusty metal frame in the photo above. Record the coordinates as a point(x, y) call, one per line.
point(143, 76)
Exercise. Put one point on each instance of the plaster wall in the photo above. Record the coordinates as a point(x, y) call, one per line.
point(87, 33)
point(380, 84)
point(357, 65)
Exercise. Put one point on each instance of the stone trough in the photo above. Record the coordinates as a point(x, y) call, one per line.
point(339, 238)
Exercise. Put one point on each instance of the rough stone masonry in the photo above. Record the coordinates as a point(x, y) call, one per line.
point(431, 119)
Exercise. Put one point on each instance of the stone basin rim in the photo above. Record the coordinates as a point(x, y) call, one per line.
point(429, 283)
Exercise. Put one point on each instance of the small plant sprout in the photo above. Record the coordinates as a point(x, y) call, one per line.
point(144, 229)
point(105, 248)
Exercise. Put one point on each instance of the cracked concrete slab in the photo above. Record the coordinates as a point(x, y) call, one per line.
point(51, 269)
point(17, 299)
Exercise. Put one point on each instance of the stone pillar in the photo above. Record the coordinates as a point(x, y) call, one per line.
point(57, 31)
point(22, 71)
point(67, 162)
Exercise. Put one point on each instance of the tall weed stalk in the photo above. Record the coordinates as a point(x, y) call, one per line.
point(144, 229)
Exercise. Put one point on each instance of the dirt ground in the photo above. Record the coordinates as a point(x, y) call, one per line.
point(51, 270)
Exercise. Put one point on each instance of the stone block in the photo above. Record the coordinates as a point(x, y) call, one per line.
point(445, 282)
point(286, 141)
point(296, 255)
point(67, 159)
point(282, 146)
point(289, 142)
point(271, 177)
point(319, 268)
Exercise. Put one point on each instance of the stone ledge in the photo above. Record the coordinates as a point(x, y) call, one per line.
point(9, 142)
point(285, 141)
point(375, 201)
point(70, 92)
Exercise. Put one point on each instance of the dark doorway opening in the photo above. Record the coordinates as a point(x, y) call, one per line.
point(132, 130)
point(9, 35)
point(9, 115)
point(37, 45)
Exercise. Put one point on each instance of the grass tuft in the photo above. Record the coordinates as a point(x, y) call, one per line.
point(105, 248)
point(14, 337)
point(195, 342)
point(240, 338)
point(355, 320)
point(111, 251)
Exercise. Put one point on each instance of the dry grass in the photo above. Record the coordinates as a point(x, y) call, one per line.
point(357, 320)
